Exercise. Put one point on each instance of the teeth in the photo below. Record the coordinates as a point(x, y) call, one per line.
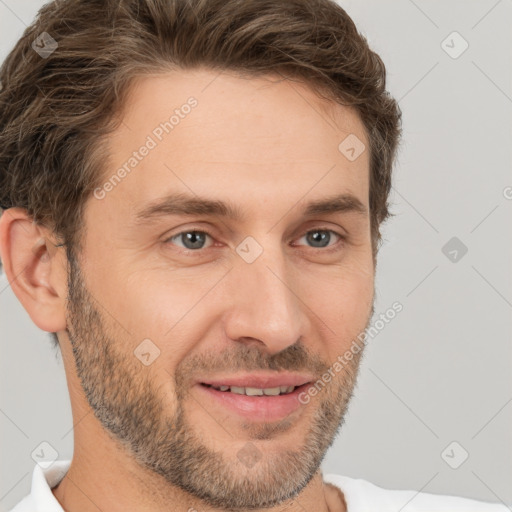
point(257, 391)
point(253, 392)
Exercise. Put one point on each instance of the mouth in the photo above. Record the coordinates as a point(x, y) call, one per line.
point(250, 391)
point(264, 404)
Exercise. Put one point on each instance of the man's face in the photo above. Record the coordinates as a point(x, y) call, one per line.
point(155, 310)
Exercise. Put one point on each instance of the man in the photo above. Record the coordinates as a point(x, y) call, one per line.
point(192, 196)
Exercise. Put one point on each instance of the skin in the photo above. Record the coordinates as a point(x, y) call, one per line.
point(144, 437)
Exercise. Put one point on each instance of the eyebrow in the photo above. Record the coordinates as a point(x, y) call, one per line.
point(184, 204)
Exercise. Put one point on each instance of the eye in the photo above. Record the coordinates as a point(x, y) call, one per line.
point(192, 240)
point(195, 240)
point(320, 238)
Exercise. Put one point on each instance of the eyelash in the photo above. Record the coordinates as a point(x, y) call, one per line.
point(329, 248)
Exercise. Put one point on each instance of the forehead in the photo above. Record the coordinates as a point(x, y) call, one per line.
point(257, 139)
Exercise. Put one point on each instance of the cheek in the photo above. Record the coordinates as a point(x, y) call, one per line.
point(341, 304)
point(170, 310)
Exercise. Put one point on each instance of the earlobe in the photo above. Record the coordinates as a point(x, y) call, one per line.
point(35, 269)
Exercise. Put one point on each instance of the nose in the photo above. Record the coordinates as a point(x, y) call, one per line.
point(264, 304)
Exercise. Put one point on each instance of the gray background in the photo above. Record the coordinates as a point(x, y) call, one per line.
point(441, 370)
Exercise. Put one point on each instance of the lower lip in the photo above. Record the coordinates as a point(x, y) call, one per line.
point(257, 408)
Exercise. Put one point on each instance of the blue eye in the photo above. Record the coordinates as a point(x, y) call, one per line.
point(192, 240)
point(195, 240)
point(320, 237)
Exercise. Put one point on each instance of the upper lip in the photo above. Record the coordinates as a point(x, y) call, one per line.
point(260, 380)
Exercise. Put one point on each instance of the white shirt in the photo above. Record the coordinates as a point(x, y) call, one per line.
point(360, 496)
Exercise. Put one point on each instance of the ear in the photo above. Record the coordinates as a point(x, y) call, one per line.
point(36, 270)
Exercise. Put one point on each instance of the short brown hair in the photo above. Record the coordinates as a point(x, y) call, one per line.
point(54, 111)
